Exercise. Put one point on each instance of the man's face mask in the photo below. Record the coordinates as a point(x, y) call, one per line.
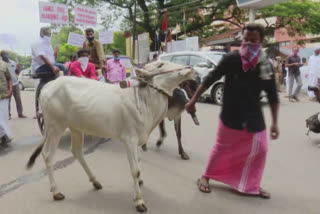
point(5, 57)
point(250, 53)
point(116, 58)
point(90, 38)
point(47, 38)
point(84, 60)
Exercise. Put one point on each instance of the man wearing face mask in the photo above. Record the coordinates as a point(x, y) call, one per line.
point(239, 155)
point(294, 64)
point(14, 69)
point(116, 71)
point(96, 53)
point(82, 67)
point(5, 93)
point(43, 55)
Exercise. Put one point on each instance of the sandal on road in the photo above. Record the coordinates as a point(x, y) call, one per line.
point(263, 194)
point(203, 187)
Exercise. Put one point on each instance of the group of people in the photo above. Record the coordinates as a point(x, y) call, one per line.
point(238, 157)
point(90, 63)
point(292, 67)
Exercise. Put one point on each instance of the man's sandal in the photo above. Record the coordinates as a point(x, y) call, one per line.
point(203, 187)
point(263, 194)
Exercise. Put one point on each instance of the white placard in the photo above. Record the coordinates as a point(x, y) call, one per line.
point(8, 39)
point(192, 43)
point(143, 48)
point(106, 37)
point(53, 13)
point(178, 45)
point(169, 47)
point(76, 39)
point(85, 15)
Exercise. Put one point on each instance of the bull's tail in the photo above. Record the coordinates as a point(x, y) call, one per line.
point(34, 156)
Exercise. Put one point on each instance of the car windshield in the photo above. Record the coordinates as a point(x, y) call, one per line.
point(215, 57)
point(126, 62)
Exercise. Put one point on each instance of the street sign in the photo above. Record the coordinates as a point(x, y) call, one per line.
point(257, 3)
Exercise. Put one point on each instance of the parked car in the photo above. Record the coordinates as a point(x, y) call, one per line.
point(126, 61)
point(26, 80)
point(203, 63)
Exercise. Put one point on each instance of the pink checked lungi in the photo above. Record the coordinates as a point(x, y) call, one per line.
point(238, 159)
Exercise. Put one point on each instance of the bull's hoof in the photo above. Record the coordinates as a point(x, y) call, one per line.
point(159, 143)
point(97, 185)
point(144, 147)
point(58, 197)
point(184, 156)
point(140, 182)
point(141, 208)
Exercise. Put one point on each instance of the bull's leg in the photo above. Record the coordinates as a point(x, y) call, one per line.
point(177, 126)
point(50, 147)
point(133, 158)
point(77, 144)
point(163, 133)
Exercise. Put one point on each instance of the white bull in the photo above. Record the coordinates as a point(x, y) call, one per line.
point(90, 107)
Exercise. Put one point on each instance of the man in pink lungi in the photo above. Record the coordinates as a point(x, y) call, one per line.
point(239, 155)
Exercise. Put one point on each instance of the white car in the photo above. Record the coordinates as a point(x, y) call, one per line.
point(202, 63)
point(26, 80)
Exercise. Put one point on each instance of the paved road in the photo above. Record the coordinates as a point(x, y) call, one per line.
point(292, 174)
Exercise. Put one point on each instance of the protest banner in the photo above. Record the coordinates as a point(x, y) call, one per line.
point(8, 39)
point(53, 13)
point(106, 37)
point(85, 15)
point(76, 39)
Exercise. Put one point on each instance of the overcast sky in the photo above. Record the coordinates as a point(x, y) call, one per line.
point(20, 17)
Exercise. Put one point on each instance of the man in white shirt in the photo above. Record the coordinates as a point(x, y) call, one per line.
point(14, 70)
point(313, 71)
point(43, 56)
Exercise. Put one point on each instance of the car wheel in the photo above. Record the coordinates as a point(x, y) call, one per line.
point(217, 94)
point(21, 86)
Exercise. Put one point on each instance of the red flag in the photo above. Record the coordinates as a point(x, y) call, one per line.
point(165, 22)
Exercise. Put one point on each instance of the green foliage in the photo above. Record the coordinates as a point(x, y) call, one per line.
point(60, 39)
point(298, 16)
point(119, 42)
point(24, 61)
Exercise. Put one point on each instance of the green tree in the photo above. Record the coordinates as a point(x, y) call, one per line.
point(298, 16)
point(60, 39)
point(119, 42)
point(24, 61)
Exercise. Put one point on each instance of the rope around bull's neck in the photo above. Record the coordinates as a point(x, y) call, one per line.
point(156, 74)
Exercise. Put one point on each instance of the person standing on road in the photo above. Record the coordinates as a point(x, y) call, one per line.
point(96, 53)
point(82, 67)
point(294, 64)
point(313, 72)
point(278, 72)
point(14, 69)
point(238, 158)
point(115, 69)
point(5, 93)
